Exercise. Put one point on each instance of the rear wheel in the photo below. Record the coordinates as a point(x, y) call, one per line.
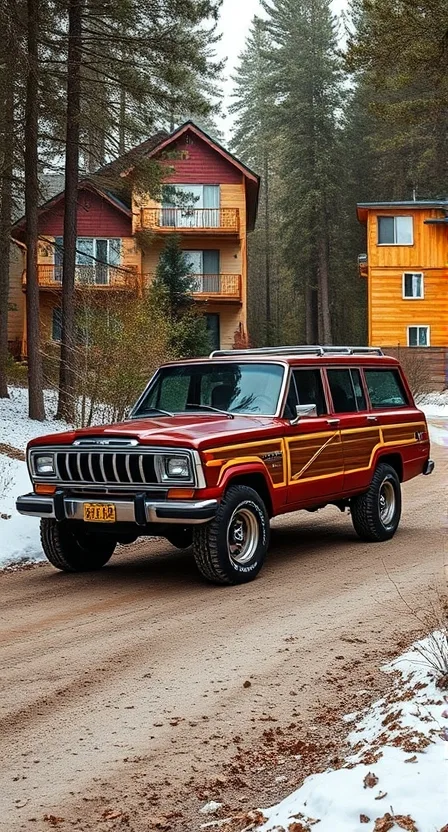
point(232, 548)
point(376, 514)
point(72, 549)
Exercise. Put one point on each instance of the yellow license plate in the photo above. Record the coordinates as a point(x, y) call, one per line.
point(100, 513)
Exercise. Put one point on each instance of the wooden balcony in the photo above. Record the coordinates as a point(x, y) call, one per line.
point(191, 220)
point(96, 277)
point(213, 287)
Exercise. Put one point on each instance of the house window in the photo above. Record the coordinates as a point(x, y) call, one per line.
point(413, 285)
point(190, 206)
point(395, 231)
point(56, 324)
point(205, 268)
point(418, 336)
point(94, 257)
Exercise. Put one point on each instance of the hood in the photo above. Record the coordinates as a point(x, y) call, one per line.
point(194, 431)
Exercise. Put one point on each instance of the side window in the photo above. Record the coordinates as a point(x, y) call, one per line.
point(385, 388)
point(310, 389)
point(359, 392)
point(342, 391)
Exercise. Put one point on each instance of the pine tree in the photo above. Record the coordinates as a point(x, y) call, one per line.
point(306, 79)
point(407, 97)
point(172, 290)
point(253, 141)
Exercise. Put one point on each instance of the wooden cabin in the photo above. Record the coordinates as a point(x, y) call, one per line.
point(121, 232)
point(406, 268)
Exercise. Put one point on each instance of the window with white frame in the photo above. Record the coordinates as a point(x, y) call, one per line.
point(418, 336)
point(395, 231)
point(413, 285)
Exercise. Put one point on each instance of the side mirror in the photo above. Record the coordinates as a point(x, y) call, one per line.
point(303, 410)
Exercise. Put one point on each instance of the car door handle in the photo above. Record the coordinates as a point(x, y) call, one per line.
point(333, 422)
point(372, 418)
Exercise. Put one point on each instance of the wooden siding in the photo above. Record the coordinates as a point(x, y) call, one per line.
point(231, 318)
point(96, 218)
point(429, 250)
point(229, 254)
point(199, 163)
point(391, 314)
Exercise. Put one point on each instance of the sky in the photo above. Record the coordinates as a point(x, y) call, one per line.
point(235, 19)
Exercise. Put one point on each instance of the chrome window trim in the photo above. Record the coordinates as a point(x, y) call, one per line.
point(209, 362)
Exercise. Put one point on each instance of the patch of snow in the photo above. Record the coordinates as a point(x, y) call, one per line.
point(210, 808)
point(16, 428)
point(19, 536)
point(402, 742)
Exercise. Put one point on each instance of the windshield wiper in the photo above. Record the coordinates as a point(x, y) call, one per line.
point(152, 410)
point(213, 409)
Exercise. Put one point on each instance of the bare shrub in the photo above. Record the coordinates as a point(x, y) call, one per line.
point(416, 372)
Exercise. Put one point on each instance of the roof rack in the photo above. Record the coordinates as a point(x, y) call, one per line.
point(300, 350)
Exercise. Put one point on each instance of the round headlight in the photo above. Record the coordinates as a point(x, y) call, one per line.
point(44, 465)
point(177, 468)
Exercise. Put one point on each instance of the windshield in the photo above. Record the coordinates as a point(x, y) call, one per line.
point(248, 389)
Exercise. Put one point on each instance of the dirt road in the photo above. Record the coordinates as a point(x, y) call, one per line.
point(123, 690)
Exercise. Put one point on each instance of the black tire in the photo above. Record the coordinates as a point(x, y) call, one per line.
point(231, 549)
point(376, 514)
point(73, 550)
point(180, 537)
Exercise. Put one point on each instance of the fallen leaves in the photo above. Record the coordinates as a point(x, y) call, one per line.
point(247, 684)
point(53, 820)
point(364, 819)
point(370, 780)
point(388, 821)
point(112, 814)
point(412, 759)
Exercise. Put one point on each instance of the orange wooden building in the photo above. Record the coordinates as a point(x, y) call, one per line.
point(406, 268)
point(121, 232)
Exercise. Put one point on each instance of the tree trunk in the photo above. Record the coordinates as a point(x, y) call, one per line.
point(35, 374)
point(323, 271)
point(122, 125)
point(6, 204)
point(267, 244)
point(66, 403)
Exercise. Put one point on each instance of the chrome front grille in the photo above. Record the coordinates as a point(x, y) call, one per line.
point(105, 467)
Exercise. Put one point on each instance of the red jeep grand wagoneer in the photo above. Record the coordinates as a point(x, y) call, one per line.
point(216, 447)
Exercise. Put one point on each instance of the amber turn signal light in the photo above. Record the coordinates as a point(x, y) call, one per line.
point(43, 488)
point(180, 493)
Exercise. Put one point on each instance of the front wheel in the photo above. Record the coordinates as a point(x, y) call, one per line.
point(376, 514)
point(232, 548)
point(70, 548)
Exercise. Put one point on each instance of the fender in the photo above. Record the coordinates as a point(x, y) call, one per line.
point(247, 468)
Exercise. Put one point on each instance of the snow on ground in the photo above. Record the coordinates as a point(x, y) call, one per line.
point(435, 408)
point(397, 776)
point(19, 536)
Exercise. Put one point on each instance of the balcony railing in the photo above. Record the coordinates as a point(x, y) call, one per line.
point(222, 220)
point(213, 286)
point(99, 276)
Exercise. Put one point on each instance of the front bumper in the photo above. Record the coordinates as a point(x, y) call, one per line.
point(141, 510)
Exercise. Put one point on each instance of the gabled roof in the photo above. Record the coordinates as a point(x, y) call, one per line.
point(124, 163)
point(160, 141)
point(84, 185)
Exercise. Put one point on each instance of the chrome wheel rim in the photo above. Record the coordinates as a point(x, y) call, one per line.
point(242, 536)
point(387, 502)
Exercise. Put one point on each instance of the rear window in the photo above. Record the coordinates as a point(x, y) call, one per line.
point(385, 388)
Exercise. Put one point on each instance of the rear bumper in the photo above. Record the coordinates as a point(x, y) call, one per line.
point(140, 511)
point(429, 467)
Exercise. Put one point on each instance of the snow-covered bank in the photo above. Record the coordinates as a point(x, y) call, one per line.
point(435, 408)
point(397, 776)
point(19, 536)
